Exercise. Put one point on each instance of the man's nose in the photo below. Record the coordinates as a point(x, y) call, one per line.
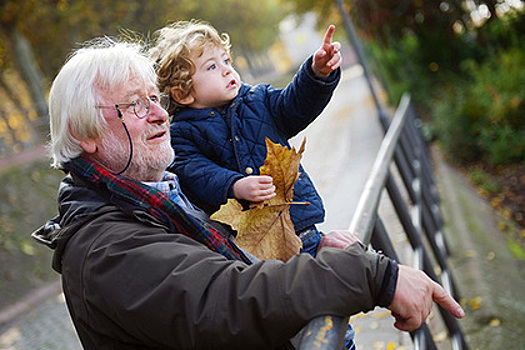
point(157, 114)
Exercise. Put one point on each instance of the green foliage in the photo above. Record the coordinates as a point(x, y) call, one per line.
point(501, 35)
point(397, 66)
point(480, 116)
point(27, 201)
point(470, 84)
point(484, 180)
point(516, 250)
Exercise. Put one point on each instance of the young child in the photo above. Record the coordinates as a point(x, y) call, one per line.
point(220, 124)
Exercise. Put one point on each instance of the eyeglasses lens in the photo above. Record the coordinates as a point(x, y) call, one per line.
point(141, 107)
point(165, 101)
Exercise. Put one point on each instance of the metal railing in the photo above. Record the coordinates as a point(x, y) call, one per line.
point(416, 205)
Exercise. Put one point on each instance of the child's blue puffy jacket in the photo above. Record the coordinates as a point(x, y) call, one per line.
point(214, 148)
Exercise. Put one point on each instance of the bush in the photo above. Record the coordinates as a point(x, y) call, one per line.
point(27, 201)
point(400, 70)
point(480, 116)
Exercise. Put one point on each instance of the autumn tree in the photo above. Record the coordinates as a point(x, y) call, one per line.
point(17, 53)
point(36, 36)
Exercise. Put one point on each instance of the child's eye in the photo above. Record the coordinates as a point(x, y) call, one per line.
point(212, 67)
point(227, 61)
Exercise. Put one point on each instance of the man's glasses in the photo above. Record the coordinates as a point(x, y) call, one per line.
point(142, 105)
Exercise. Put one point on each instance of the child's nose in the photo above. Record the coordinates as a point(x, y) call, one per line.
point(226, 69)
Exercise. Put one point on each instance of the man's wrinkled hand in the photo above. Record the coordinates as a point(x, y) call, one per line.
point(414, 298)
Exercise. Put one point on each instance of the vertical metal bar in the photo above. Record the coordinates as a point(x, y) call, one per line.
point(414, 236)
point(354, 41)
point(381, 241)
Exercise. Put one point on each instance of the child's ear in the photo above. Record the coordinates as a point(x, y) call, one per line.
point(180, 97)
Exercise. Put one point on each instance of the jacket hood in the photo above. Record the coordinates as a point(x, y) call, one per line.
point(76, 203)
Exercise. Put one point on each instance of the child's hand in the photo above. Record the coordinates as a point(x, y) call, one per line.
point(327, 58)
point(254, 188)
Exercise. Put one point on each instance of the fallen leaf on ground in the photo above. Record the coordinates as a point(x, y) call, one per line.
point(495, 322)
point(440, 337)
point(475, 303)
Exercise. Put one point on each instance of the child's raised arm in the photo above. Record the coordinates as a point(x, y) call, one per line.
point(327, 58)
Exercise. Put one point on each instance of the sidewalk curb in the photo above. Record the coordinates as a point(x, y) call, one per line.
point(489, 282)
point(28, 302)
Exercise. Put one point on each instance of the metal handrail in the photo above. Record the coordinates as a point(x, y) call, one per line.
point(404, 147)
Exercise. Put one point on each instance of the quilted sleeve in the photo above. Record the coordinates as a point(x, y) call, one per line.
point(296, 106)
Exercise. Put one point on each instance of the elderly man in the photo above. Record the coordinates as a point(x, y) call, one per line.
point(144, 269)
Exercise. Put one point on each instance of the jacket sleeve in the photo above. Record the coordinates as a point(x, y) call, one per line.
point(296, 106)
point(203, 181)
point(167, 290)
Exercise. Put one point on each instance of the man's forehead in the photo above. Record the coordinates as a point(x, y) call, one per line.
point(133, 87)
point(139, 85)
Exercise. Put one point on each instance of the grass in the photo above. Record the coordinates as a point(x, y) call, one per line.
point(483, 180)
point(27, 201)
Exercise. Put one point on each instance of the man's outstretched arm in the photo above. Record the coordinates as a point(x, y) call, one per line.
point(415, 292)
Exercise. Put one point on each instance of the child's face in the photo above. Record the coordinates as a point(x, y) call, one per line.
point(215, 82)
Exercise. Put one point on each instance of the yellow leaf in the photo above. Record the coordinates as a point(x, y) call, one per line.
point(475, 303)
point(282, 164)
point(440, 337)
point(266, 229)
point(495, 322)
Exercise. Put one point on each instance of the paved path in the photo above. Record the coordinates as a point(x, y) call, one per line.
point(46, 327)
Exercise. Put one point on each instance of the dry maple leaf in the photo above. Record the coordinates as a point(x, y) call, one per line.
point(266, 230)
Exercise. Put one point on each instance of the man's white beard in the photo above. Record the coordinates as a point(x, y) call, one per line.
point(145, 164)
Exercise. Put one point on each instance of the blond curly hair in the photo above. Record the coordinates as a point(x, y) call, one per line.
point(174, 45)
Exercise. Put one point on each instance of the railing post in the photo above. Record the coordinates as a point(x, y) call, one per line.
point(354, 41)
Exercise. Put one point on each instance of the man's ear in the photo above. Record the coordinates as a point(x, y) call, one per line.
point(180, 97)
point(89, 145)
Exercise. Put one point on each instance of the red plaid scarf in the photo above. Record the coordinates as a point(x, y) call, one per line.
point(130, 194)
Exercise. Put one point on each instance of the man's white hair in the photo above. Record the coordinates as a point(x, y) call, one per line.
point(102, 65)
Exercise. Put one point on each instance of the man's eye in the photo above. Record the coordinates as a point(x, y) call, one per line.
point(154, 98)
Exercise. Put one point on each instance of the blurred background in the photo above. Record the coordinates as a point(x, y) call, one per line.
point(463, 62)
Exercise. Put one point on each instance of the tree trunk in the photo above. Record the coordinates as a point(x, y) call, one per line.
point(15, 100)
point(28, 68)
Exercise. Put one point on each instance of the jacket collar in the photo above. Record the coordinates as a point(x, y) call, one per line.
point(204, 113)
